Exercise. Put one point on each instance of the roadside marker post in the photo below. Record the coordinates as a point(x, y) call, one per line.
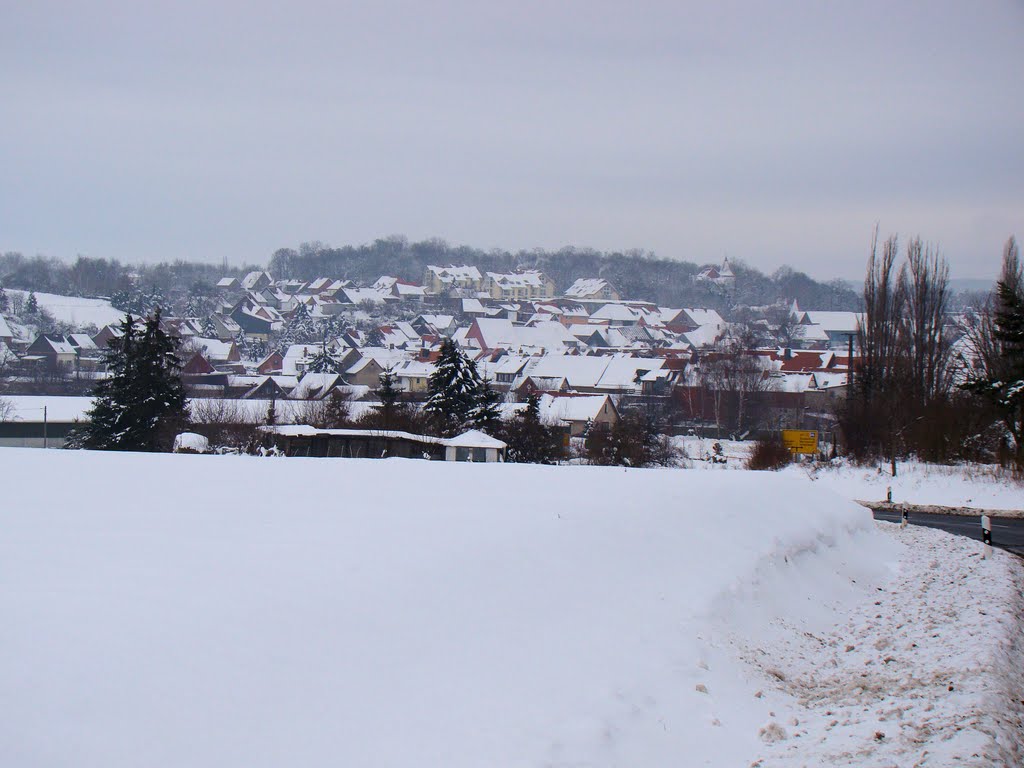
point(904, 518)
point(986, 536)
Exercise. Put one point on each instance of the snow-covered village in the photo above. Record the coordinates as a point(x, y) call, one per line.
point(531, 385)
point(656, 597)
point(585, 353)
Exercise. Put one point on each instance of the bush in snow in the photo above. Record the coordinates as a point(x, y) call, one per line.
point(769, 453)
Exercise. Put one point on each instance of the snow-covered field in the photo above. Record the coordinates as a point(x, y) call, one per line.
point(167, 610)
point(75, 310)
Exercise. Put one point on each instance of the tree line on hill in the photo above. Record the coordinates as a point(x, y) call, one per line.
point(186, 287)
point(638, 275)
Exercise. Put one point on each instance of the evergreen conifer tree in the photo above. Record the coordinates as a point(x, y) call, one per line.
point(4, 302)
point(529, 440)
point(209, 329)
point(375, 338)
point(452, 388)
point(242, 345)
point(32, 305)
point(324, 362)
point(388, 395)
point(336, 411)
point(142, 403)
point(1001, 382)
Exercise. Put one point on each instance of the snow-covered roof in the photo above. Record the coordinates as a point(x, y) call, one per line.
point(705, 317)
point(586, 286)
point(615, 312)
point(453, 273)
point(811, 332)
point(530, 278)
point(704, 336)
point(359, 295)
point(214, 349)
point(474, 438)
point(316, 385)
point(414, 369)
point(506, 364)
point(80, 340)
point(29, 408)
point(386, 357)
point(441, 322)
point(613, 373)
point(359, 365)
point(584, 408)
point(5, 329)
point(836, 322)
point(59, 344)
point(624, 372)
point(287, 383)
point(250, 281)
point(499, 333)
point(803, 382)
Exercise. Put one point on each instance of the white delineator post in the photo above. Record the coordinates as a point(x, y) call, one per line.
point(986, 536)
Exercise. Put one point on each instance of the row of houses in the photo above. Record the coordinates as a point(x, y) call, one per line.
point(38, 422)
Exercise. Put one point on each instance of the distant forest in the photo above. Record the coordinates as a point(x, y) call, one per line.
point(636, 274)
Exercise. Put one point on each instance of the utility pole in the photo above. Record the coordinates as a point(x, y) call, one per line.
point(44, 428)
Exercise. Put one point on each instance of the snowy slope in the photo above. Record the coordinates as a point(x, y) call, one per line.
point(75, 310)
point(280, 612)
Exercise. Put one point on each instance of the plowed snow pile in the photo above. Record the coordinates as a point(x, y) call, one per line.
point(215, 611)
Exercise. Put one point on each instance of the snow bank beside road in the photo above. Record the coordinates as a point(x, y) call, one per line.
point(928, 673)
point(979, 486)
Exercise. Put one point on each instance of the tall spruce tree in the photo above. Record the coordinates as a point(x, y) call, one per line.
point(141, 405)
point(453, 390)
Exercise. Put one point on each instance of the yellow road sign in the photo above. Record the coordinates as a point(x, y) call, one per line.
point(800, 440)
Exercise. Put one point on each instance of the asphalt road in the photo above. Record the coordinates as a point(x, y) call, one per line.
point(1007, 533)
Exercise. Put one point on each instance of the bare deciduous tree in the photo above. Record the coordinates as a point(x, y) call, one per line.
point(6, 409)
point(924, 286)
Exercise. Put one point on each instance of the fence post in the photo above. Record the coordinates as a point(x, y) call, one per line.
point(986, 537)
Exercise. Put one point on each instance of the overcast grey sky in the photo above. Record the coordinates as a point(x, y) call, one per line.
point(778, 133)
